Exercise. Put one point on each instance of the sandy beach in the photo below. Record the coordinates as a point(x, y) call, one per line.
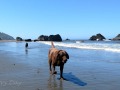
point(21, 71)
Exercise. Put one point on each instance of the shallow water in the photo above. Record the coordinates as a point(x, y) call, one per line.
point(28, 68)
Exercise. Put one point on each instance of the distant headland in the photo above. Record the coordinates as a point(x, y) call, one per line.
point(4, 36)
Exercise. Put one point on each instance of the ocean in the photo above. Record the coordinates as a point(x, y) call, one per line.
point(103, 51)
point(91, 64)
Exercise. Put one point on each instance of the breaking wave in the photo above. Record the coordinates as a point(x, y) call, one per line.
point(90, 46)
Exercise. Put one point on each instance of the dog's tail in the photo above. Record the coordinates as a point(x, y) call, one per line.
point(52, 45)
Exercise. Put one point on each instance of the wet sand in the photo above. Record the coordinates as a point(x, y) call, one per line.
point(82, 75)
point(85, 76)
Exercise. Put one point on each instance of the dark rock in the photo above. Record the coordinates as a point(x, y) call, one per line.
point(55, 38)
point(36, 40)
point(43, 38)
point(19, 39)
point(67, 39)
point(93, 37)
point(117, 37)
point(97, 37)
point(28, 40)
point(50, 38)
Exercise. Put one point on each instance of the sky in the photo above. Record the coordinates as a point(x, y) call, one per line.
point(73, 19)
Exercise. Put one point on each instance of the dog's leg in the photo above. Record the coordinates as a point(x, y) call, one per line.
point(49, 61)
point(50, 68)
point(54, 72)
point(61, 72)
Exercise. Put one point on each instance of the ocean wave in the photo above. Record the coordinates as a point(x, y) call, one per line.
point(90, 46)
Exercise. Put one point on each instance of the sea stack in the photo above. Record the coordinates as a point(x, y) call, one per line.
point(97, 37)
point(56, 37)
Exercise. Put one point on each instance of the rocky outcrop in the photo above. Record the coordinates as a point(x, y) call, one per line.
point(50, 38)
point(28, 40)
point(19, 39)
point(55, 38)
point(43, 38)
point(97, 37)
point(67, 39)
point(117, 37)
point(4, 36)
point(35, 40)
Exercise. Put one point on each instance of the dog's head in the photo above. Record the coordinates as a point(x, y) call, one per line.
point(62, 56)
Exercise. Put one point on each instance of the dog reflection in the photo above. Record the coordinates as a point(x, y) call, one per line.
point(54, 84)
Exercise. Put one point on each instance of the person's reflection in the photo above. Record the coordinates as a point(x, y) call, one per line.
point(26, 51)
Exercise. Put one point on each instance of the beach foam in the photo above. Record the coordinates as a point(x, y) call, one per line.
point(91, 46)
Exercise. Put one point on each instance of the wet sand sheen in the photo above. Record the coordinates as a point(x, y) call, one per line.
point(17, 72)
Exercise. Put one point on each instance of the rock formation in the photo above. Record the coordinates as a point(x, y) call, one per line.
point(28, 40)
point(97, 37)
point(55, 38)
point(117, 37)
point(19, 39)
point(43, 38)
point(67, 39)
point(50, 38)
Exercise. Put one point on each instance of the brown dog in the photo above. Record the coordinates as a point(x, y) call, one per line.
point(57, 58)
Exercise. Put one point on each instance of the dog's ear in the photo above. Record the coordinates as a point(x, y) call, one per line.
point(67, 55)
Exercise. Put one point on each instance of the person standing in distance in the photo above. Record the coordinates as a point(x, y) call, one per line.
point(26, 45)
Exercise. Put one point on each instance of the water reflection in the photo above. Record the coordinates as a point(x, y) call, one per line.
point(26, 50)
point(54, 84)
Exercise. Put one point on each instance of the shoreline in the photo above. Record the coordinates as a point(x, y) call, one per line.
point(31, 71)
point(12, 41)
point(92, 76)
point(8, 41)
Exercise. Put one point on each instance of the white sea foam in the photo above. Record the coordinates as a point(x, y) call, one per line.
point(92, 46)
